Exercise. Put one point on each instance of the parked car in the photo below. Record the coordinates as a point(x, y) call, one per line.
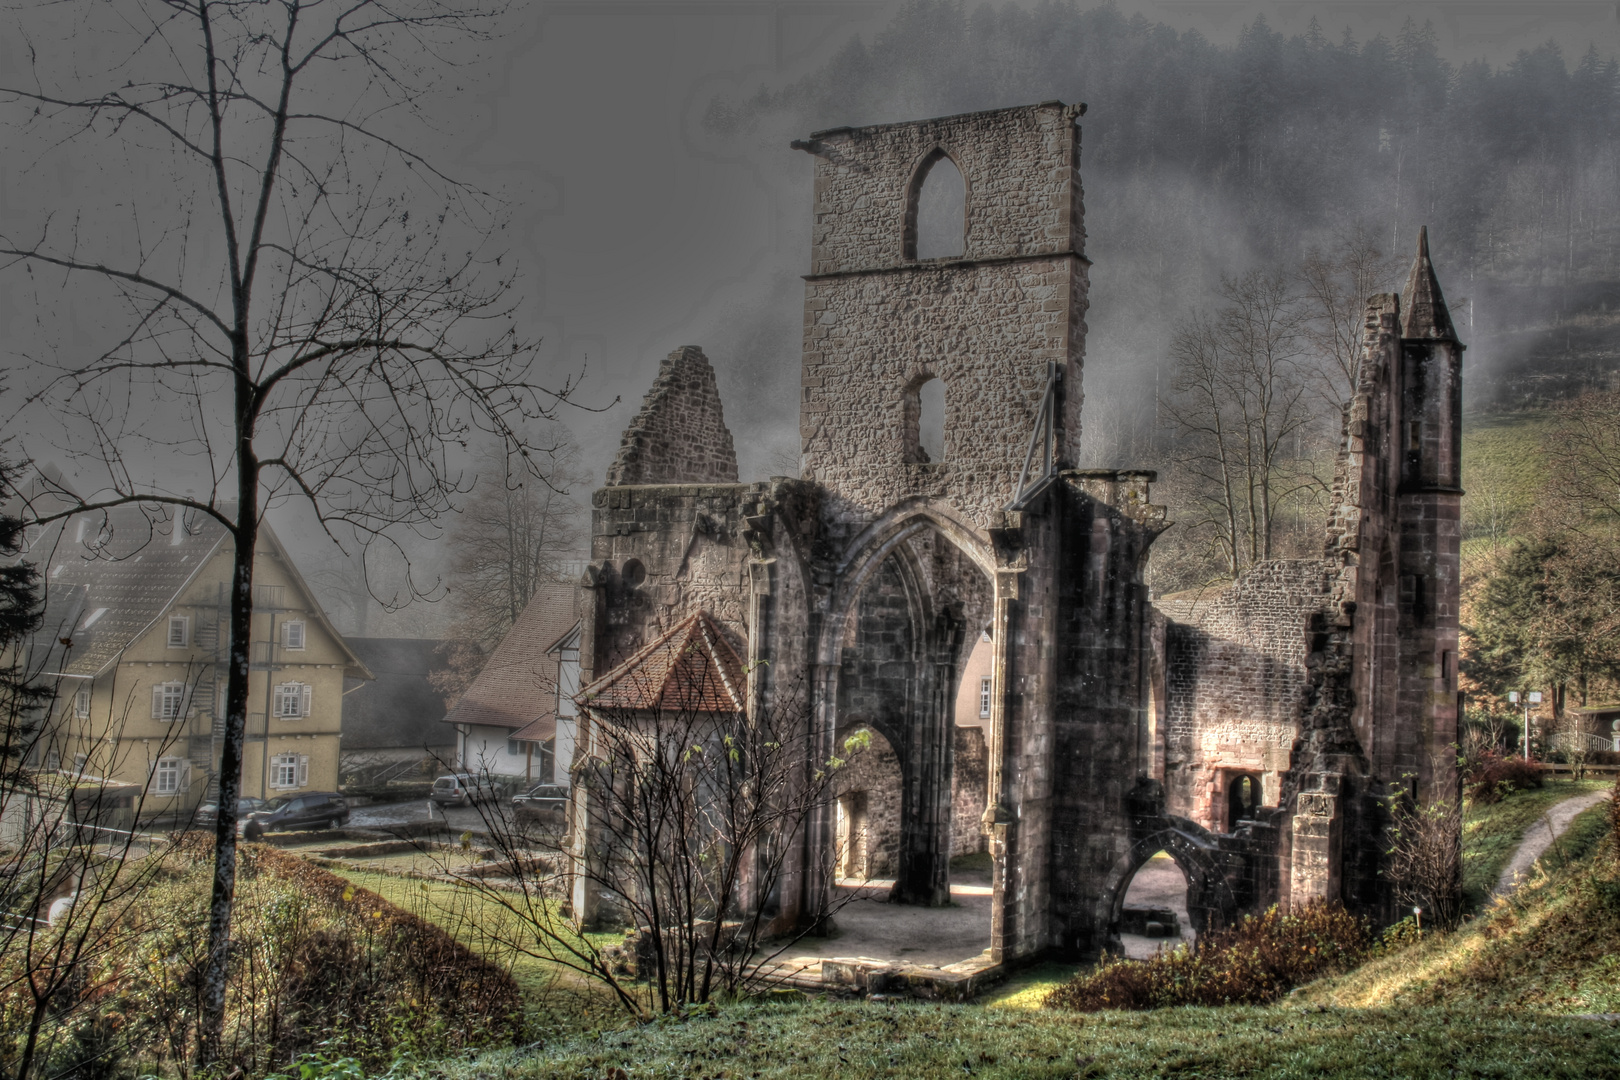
point(207, 815)
point(543, 803)
point(462, 789)
point(312, 810)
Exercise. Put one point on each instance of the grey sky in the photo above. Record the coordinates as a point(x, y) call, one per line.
point(638, 231)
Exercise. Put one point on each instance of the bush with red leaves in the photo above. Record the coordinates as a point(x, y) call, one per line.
point(1493, 777)
point(1258, 960)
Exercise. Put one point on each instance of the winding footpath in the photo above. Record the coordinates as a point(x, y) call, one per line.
point(1538, 838)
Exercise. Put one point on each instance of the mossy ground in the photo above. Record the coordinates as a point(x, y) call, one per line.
point(814, 1040)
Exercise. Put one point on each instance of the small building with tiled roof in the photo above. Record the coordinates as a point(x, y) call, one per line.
point(136, 629)
point(517, 719)
point(690, 667)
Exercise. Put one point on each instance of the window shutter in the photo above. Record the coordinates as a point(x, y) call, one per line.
point(157, 702)
point(303, 770)
point(183, 782)
point(309, 694)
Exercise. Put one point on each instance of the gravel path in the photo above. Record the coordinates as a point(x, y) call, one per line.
point(1538, 839)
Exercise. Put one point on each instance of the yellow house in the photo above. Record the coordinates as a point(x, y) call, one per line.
point(138, 616)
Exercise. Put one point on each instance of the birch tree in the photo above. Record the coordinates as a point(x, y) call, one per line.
point(291, 302)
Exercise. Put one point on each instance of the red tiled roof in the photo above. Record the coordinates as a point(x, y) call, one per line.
point(519, 683)
point(689, 667)
point(542, 729)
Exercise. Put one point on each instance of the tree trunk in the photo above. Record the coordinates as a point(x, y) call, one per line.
point(216, 972)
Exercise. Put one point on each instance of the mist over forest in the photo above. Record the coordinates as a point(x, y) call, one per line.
point(1203, 159)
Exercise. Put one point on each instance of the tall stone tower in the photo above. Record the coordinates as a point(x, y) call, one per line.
point(990, 323)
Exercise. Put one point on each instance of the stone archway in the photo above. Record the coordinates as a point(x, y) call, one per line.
point(1211, 900)
point(893, 649)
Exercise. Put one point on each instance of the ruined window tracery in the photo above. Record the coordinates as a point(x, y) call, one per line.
point(936, 211)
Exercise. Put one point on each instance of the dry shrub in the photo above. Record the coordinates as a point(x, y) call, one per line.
point(1492, 777)
point(1256, 961)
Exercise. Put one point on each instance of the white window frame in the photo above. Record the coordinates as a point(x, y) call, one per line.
point(81, 704)
point(289, 771)
point(79, 762)
point(984, 698)
point(293, 700)
point(293, 635)
point(168, 775)
point(169, 701)
point(179, 631)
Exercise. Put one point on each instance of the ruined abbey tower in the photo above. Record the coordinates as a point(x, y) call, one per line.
point(1113, 729)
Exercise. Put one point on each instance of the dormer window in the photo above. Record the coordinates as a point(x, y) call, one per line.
point(179, 631)
point(292, 634)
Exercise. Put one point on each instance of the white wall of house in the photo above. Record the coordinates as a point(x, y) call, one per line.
point(490, 749)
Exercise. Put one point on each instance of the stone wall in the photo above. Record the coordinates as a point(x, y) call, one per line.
point(968, 790)
point(1235, 675)
point(878, 324)
point(680, 434)
point(868, 791)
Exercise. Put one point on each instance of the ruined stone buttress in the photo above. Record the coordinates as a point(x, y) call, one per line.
point(1113, 728)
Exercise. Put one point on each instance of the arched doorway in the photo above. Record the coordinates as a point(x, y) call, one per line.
point(1243, 799)
point(1207, 869)
point(916, 603)
point(1154, 912)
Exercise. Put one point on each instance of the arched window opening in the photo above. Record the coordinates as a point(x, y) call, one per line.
point(1242, 800)
point(1155, 909)
point(936, 220)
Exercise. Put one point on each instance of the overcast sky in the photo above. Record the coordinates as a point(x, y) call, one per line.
point(638, 231)
point(641, 233)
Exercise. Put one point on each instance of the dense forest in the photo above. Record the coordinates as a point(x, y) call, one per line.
point(1203, 160)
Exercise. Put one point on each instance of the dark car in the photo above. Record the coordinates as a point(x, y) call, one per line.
point(207, 815)
point(546, 803)
point(312, 810)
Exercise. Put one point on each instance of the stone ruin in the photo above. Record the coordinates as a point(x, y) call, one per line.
point(1254, 732)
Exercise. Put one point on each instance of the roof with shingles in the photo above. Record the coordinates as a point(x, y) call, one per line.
point(117, 580)
point(518, 684)
point(690, 667)
point(114, 577)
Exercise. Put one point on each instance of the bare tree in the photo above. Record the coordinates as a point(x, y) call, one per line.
point(510, 537)
point(299, 305)
point(1425, 858)
point(687, 825)
point(1245, 415)
point(1336, 284)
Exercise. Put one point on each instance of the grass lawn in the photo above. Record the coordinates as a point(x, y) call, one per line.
point(1492, 832)
point(1547, 949)
point(821, 1040)
point(554, 994)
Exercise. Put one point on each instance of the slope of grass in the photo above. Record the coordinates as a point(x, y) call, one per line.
point(1492, 832)
point(1504, 472)
point(1548, 949)
point(822, 1040)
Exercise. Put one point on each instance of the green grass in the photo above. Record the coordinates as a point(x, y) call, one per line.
point(822, 1040)
point(1504, 472)
point(554, 994)
point(1549, 948)
point(1028, 988)
point(1492, 832)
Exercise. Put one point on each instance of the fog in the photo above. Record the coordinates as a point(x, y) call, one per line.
point(641, 148)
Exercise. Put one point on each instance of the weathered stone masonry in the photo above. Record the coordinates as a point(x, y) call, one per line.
point(1114, 728)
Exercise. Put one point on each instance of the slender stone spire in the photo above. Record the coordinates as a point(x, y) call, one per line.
point(1426, 314)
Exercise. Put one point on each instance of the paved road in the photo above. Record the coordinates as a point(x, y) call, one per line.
point(1538, 839)
point(473, 818)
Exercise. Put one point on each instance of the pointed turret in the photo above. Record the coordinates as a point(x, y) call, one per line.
point(1426, 314)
